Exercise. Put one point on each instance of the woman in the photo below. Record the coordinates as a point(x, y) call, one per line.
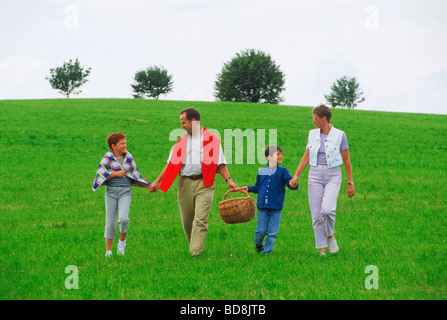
point(326, 150)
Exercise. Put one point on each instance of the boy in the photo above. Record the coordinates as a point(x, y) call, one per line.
point(119, 172)
point(270, 187)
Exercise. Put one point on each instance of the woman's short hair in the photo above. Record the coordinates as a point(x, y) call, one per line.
point(191, 113)
point(271, 150)
point(114, 138)
point(323, 111)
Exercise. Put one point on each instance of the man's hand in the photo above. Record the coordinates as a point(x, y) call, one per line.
point(233, 186)
point(154, 187)
point(222, 169)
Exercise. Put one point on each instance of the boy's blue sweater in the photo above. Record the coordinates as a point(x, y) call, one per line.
point(270, 187)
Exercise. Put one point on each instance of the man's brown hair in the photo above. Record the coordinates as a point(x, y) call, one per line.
point(191, 113)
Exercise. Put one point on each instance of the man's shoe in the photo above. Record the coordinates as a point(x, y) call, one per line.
point(197, 254)
point(259, 248)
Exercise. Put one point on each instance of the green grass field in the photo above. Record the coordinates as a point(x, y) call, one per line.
point(50, 218)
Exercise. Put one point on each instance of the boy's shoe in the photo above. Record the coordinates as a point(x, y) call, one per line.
point(108, 254)
point(121, 247)
point(333, 248)
point(259, 248)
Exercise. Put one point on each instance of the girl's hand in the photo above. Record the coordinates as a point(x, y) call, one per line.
point(118, 174)
point(154, 186)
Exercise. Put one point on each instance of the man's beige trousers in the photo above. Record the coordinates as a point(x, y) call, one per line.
point(194, 201)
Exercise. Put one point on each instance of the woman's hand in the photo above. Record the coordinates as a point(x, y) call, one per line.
point(293, 183)
point(351, 191)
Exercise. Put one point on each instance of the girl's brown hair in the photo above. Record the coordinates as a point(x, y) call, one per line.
point(114, 138)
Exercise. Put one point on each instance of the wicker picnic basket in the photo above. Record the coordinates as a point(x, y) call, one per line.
point(237, 210)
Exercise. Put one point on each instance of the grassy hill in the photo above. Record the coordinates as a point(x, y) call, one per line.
point(50, 218)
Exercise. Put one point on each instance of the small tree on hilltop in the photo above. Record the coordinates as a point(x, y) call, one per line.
point(345, 93)
point(251, 76)
point(152, 82)
point(68, 78)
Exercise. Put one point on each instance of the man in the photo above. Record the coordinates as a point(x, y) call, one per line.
point(196, 157)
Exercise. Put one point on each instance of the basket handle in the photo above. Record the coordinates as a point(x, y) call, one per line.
point(246, 193)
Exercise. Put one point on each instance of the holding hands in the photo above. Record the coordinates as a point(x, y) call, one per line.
point(293, 183)
point(154, 187)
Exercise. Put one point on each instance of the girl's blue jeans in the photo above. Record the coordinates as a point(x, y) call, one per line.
point(268, 227)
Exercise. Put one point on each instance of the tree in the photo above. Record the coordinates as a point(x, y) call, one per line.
point(152, 82)
point(345, 93)
point(68, 78)
point(251, 76)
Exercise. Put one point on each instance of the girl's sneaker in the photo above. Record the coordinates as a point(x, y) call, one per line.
point(108, 254)
point(121, 247)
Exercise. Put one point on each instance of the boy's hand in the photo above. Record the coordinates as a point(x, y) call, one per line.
point(243, 189)
point(293, 183)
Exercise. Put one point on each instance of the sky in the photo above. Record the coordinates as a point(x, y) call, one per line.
point(396, 49)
